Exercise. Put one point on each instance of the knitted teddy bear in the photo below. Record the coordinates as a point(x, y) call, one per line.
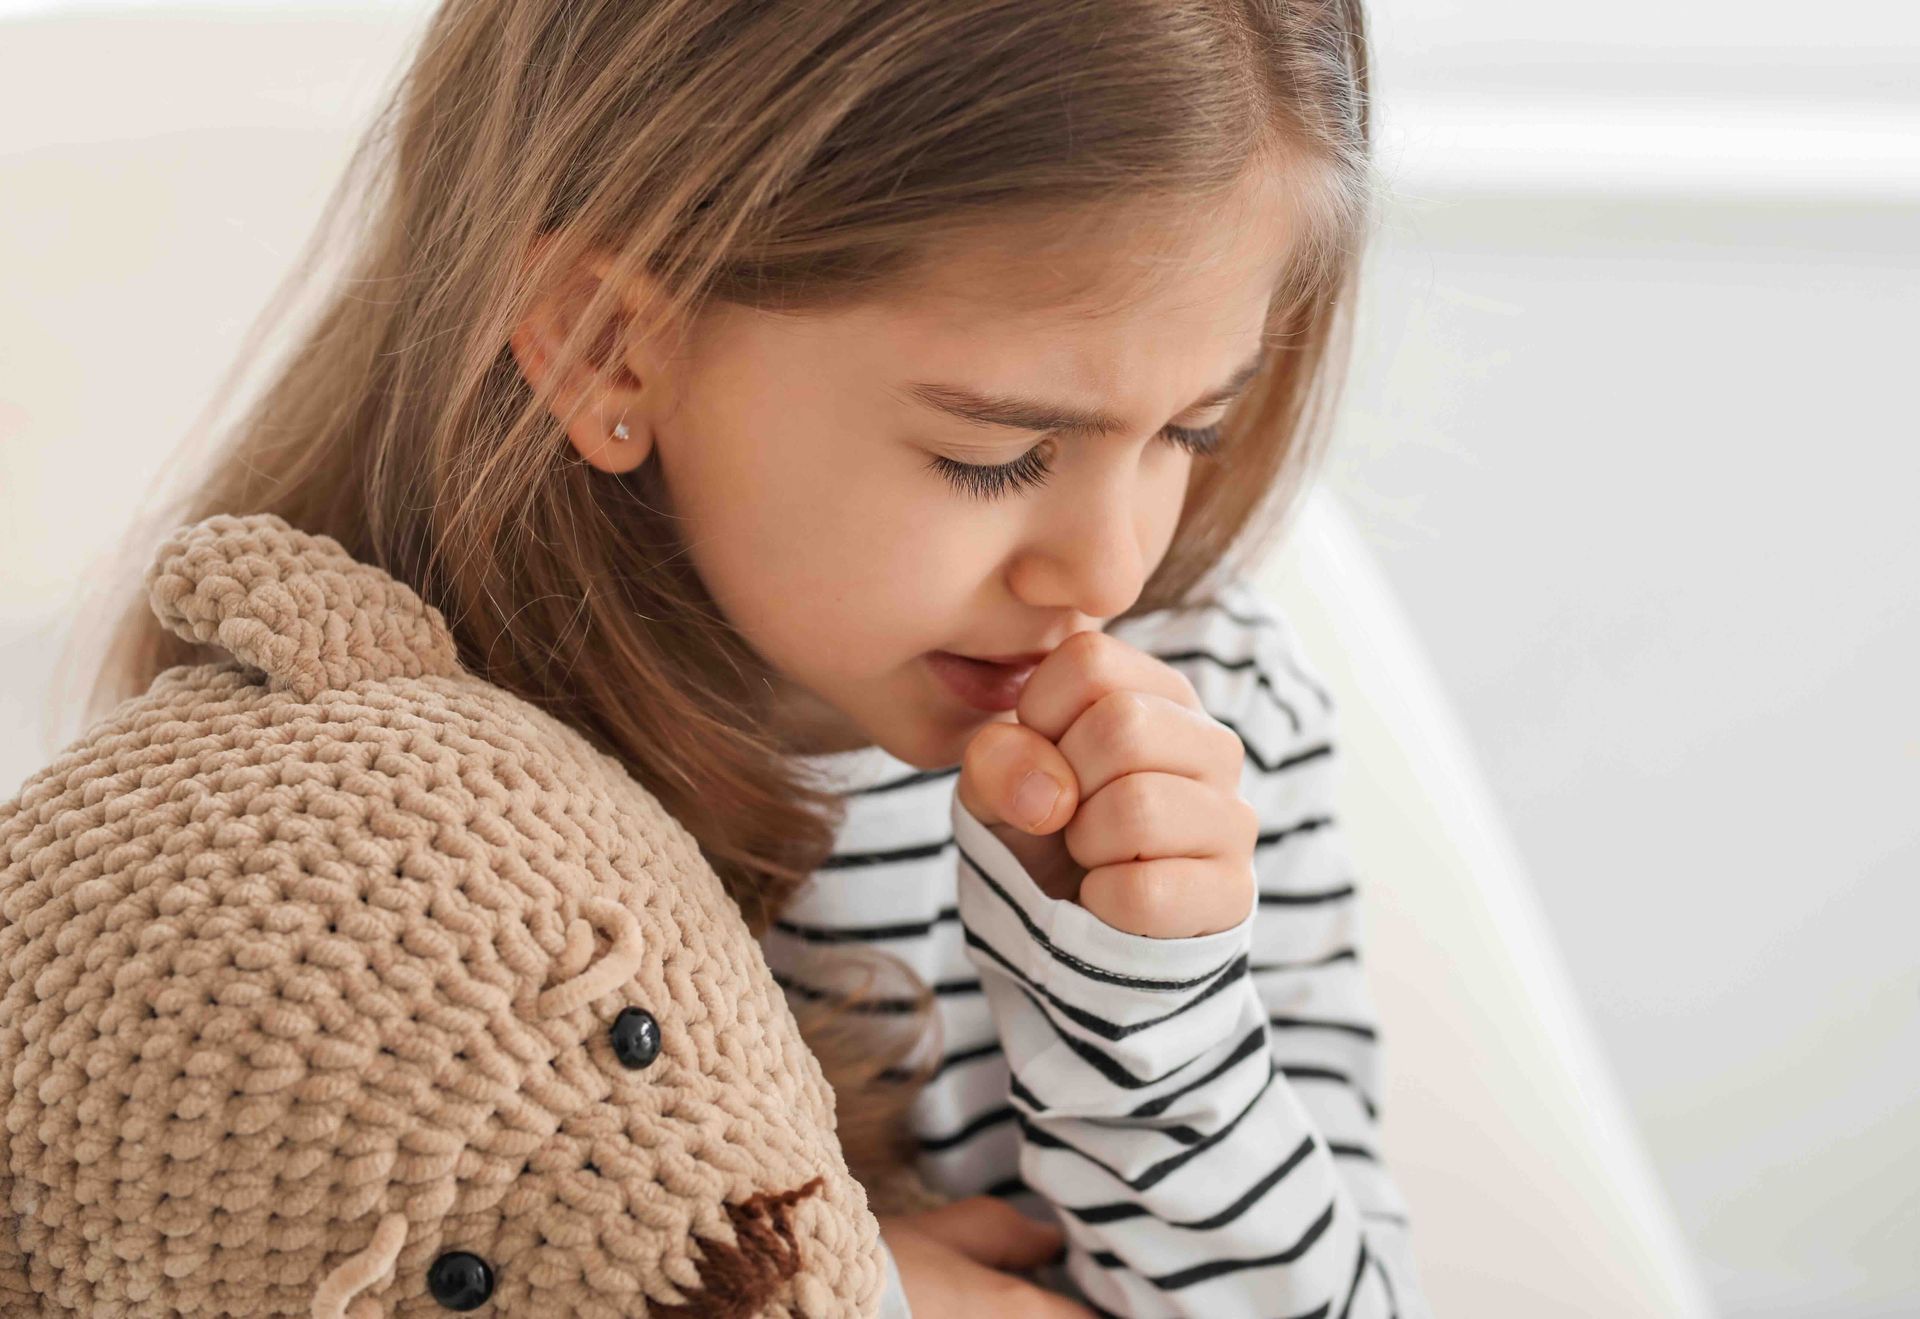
point(338, 982)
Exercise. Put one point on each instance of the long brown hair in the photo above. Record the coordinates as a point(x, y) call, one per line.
point(793, 157)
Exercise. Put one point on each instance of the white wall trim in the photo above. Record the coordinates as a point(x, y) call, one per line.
point(1636, 147)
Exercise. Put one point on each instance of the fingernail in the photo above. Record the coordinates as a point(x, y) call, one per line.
point(1033, 800)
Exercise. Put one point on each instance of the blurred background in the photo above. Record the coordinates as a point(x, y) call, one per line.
point(1633, 435)
point(1629, 431)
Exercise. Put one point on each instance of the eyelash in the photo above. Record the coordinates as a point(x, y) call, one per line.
point(991, 482)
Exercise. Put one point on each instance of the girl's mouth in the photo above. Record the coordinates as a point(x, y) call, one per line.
point(980, 683)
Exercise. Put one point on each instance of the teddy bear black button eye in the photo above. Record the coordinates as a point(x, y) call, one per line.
point(636, 1037)
point(460, 1280)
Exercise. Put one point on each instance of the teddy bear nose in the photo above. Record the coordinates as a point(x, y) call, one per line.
point(749, 1274)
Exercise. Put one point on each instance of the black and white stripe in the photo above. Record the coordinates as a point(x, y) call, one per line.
point(1201, 1115)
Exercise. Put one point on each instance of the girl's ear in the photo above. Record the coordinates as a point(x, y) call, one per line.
point(601, 399)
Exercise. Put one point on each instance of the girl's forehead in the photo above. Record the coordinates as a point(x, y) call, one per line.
point(1032, 276)
point(1090, 306)
point(1099, 310)
point(1258, 210)
point(1111, 276)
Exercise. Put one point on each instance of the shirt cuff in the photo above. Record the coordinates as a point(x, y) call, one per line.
point(1051, 941)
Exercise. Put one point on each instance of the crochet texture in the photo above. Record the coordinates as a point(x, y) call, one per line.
point(310, 966)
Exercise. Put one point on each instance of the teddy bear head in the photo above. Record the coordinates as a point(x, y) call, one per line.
point(338, 982)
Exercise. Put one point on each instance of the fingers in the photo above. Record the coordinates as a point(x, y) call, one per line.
point(1142, 785)
point(1165, 856)
point(1113, 709)
point(994, 780)
point(989, 1231)
point(1126, 732)
point(1159, 725)
point(1030, 1302)
point(942, 1283)
point(1150, 815)
point(1084, 668)
point(1177, 898)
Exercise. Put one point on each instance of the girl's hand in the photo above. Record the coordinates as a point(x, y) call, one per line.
point(952, 1261)
point(1158, 840)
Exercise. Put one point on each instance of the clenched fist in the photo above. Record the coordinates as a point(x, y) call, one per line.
point(1115, 789)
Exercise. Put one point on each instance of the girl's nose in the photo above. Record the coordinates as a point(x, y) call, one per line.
point(1093, 559)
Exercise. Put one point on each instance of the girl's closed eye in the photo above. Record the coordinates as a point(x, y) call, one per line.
point(1031, 469)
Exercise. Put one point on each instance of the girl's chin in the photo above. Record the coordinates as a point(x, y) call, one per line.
point(932, 734)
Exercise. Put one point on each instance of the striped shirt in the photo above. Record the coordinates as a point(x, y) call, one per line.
point(1200, 1115)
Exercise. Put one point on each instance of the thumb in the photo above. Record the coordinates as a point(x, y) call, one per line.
point(989, 1231)
point(1011, 775)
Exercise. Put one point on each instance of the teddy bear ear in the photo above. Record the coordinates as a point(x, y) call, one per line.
point(294, 605)
point(587, 969)
point(338, 1295)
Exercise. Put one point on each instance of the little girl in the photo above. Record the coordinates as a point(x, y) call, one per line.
point(860, 418)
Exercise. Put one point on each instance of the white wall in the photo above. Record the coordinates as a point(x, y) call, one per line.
point(1632, 432)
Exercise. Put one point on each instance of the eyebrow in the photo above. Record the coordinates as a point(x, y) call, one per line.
point(1040, 415)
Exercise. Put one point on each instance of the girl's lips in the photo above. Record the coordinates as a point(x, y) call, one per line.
point(982, 684)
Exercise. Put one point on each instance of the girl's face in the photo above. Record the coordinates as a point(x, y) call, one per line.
point(800, 455)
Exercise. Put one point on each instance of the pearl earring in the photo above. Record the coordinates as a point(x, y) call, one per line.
point(620, 431)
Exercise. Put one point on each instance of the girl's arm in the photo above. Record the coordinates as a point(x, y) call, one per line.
point(1201, 1111)
point(1308, 935)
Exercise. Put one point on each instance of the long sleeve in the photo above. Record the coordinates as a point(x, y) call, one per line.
point(1309, 934)
point(1199, 1110)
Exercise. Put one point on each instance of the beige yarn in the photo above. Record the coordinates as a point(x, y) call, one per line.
point(308, 963)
